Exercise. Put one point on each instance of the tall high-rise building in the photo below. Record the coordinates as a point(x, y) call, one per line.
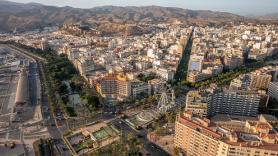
point(112, 85)
point(273, 90)
point(234, 103)
point(201, 137)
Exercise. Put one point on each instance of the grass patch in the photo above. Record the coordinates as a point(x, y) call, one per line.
point(101, 134)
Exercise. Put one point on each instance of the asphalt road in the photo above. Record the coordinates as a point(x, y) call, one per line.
point(49, 119)
point(14, 131)
point(32, 83)
point(54, 132)
point(38, 96)
point(149, 147)
point(181, 72)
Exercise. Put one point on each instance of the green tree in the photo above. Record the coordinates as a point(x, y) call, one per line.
point(63, 89)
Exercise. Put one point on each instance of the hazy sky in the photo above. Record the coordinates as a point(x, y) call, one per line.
point(244, 7)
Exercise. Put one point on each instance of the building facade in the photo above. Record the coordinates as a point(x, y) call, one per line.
point(260, 81)
point(112, 85)
point(140, 89)
point(241, 83)
point(196, 103)
point(200, 137)
point(273, 90)
point(234, 103)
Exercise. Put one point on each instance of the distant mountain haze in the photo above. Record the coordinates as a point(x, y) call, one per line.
point(273, 16)
point(241, 7)
point(33, 16)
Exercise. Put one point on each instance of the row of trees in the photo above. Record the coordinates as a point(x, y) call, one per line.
point(46, 147)
point(226, 77)
point(93, 101)
point(42, 53)
point(61, 69)
point(183, 64)
point(146, 78)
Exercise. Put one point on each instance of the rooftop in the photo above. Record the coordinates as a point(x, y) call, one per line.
point(210, 129)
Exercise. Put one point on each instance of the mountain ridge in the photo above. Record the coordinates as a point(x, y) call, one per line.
point(31, 16)
point(272, 16)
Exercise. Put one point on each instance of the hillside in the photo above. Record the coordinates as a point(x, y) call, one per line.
point(32, 16)
point(273, 16)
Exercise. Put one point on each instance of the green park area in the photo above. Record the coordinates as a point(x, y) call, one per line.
point(101, 134)
point(58, 69)
point(82, 145)
point(90, 140)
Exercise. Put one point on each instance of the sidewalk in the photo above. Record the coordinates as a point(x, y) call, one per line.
point(165, 142)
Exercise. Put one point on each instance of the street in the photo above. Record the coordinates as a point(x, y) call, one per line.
point(39, 92)
point(34, 119)
point(149, 147)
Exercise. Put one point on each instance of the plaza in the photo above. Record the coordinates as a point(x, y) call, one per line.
point(141, 119)
point(91, 138)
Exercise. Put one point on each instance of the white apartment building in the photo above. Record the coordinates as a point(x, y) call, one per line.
point(233, 103)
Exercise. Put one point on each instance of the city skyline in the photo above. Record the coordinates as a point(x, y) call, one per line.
point(247, 7)
point(149, 77)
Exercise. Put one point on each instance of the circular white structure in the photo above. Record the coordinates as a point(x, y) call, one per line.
point(145, 116)
point(165, 102)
